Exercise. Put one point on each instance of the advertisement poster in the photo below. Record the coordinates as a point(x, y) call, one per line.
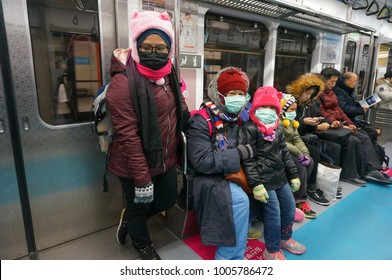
point(331, 48)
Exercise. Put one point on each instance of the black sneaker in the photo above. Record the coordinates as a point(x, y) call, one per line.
point(318, 197)
point(148, 253)
point(122, 230)
point(339, 195)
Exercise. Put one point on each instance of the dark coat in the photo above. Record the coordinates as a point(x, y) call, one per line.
point(273, 165)
point(207, 169)
point(310, 110)
point(347, 100)
point(127, 158)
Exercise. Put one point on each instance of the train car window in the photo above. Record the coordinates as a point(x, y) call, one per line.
point(349, 56)
point(66, 57)
point(293, 56)
point(234, 42)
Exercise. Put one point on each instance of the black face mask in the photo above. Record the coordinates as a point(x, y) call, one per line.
point(153, 60)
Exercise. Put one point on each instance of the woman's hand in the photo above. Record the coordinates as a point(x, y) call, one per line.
point(336, 124)
point(311, 121)
point(323, 126)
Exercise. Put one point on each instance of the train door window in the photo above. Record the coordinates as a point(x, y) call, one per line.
point(293, 56)
point(66, 57)
point(232, 42)
point(349, 56)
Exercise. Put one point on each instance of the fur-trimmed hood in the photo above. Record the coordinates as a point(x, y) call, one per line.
point(380, 81)
point(304, 82)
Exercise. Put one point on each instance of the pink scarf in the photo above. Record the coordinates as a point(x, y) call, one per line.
point(154, 74)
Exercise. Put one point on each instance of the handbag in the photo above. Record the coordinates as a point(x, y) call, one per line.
point(309, 138)
point(337, 135)
point(328, 179)
point(240, 179)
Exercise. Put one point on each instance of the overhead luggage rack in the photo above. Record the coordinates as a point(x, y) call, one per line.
point(292, 13)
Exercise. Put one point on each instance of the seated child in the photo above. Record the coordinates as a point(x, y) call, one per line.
point(299, 153)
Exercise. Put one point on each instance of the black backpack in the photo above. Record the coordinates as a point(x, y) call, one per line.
point(383, 158)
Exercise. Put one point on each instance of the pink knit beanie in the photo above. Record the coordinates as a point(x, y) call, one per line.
point(140, 22)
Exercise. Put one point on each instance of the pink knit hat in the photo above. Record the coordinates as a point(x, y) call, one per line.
point(143, 21)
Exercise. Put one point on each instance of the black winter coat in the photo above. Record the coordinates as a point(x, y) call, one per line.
point(272, 166)
point(347, 101)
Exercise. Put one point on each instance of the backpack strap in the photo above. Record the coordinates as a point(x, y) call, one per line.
point(206, 116)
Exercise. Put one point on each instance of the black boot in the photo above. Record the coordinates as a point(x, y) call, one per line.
point(122, 230)
point(148, 253)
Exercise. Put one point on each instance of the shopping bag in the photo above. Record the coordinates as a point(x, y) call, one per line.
point(328, 179)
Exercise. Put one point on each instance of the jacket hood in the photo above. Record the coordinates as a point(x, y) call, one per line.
point(380, 81)
point(304, 82)
point(213, 92)
point(119, 60)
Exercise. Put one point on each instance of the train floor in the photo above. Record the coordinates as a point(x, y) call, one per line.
point(103, 245)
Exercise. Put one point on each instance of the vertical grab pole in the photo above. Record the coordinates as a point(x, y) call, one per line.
point(177, 18)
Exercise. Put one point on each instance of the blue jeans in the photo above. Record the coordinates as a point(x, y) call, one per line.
point(241, 219)
point(278, 216)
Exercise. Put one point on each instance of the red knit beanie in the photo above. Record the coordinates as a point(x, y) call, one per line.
point(230, 80)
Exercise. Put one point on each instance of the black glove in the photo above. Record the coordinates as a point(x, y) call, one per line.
point(245, 151)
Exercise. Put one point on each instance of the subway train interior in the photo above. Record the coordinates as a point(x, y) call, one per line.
point(55, 54)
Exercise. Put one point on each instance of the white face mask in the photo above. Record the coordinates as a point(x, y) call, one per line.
point(266, 116)
point(290, 115)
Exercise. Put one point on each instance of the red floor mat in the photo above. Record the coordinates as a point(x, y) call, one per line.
point(254, 248)
point(388, 172)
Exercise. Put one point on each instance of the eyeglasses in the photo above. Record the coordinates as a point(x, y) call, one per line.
point(149, 49)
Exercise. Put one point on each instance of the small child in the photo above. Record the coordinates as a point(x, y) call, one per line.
point(299, 153)
point(269, 172)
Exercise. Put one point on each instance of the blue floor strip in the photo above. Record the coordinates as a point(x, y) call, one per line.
point(357, 228)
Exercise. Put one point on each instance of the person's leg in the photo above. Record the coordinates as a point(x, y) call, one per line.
point(333, 150)
point(368, 151)
point(301, 194)
point(287, 210)
point(351, 158)
point(165, 192)
point(240, 202)
point(372, 133)
point(272, 223)
point(135, 216)
point(315, 155)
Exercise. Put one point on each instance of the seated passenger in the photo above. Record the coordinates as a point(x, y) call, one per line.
point(300, 155)
point(384, 91)
point(222, 207)
point(330, 109)
point(269, 173)
point(306, 89)
point(345, 92)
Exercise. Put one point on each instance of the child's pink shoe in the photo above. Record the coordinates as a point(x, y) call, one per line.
point(299, 215)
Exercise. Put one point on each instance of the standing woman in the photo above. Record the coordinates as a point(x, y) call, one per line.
point(148, 111)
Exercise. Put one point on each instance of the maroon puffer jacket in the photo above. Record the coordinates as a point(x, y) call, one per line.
point(127, 159)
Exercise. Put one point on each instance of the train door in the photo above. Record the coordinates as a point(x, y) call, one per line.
point(50, 166)
point(357, 60)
